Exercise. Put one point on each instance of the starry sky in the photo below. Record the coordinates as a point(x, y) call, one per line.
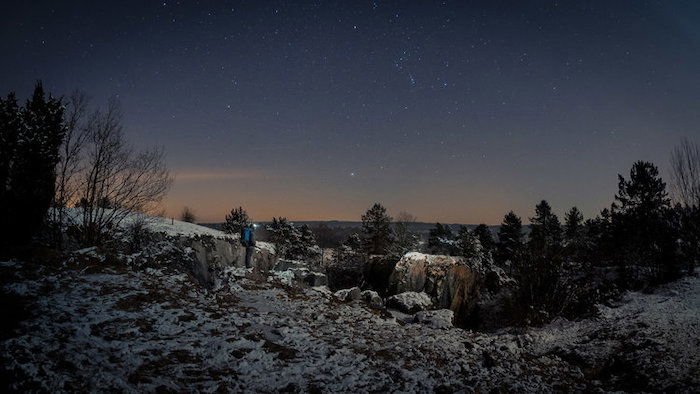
point(456, 111)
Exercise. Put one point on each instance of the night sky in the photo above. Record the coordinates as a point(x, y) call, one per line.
point(455, 111)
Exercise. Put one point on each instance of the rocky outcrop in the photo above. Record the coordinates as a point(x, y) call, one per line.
point(211, 254)
point(409, 302)
point(450, 282)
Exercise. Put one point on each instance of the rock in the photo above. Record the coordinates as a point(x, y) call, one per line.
point(450, 282)
point(441, 318)
point(373, 299)
point(409, 302)
point(212, 254)
point(285, 265)
point(315, 279)
point(347, 295)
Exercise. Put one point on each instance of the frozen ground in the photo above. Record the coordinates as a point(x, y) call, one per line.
point(101, 327)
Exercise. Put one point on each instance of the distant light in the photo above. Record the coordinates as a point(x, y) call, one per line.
point(255, 225)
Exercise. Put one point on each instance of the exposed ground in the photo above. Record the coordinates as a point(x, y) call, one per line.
point(94, 326)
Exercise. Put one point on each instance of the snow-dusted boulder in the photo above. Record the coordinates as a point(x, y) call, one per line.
point(409, 302)
point(441, 318)
point(450, 282)
point(284, 265)
point(313, 279)
point(372, 298)
point(215, 253)
point(352, 294)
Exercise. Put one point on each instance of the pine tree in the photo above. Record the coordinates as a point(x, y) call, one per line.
point(32, 172)
point(10, 126)
point(643, 227)
point(510, 239)
point(376, 228)
point(545, 230)
point(440, 240)
point(468, 244)
point(573, 224)
point(236, 220)
point(483, 233)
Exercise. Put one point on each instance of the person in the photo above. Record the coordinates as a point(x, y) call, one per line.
point(248, 240)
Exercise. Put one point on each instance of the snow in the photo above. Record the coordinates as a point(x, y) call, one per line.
point(114, 328)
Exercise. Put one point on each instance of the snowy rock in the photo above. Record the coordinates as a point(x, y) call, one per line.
point(284, 265)
point(409, 302)
point(450, 282)
point(352, 294)
point(212, 254)
point(372, 298)
point(441, 318)
point(314, 279)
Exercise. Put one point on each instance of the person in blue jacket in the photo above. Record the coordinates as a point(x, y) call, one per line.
point(248, 240)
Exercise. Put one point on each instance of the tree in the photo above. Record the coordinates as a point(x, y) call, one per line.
point(307, 246)
point(468, 244)
point(483, 233)
point(545, 230)
point(405, 239)
point(236, 220)
point(291, 242)
point(376, 228)
point(510, 239)
point(33, 135)
point(69, 165)
point(643, 228)
point(116, 180)
point(573, 224)
point(187, 215)
point(440, 240)
point(10, 128)
point(685, 163)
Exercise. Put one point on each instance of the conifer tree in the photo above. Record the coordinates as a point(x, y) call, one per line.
point(468, 244)
point(573, 224)
point(510, 238)
point(545, 230)
point(31, 174)
point(483, 233)
point(440, 239)
point(376, 228)
point(643, 227)
point(236, 220)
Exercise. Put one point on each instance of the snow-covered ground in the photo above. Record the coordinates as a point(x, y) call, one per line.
point(102, 328)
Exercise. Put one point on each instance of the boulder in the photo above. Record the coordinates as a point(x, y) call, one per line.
point(450, 282)
point(352, 294)
point(314, 279)
point(409, 302)
point(373, 299)
point(211, 254)
point(441, 318)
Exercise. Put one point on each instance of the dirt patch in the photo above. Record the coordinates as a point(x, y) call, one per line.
point(136, 302)
point(283, 352)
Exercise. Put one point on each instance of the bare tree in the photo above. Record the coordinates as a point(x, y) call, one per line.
point(685, 161)
point(70, 163)
point(117, 180)
point(406, 240)
point(188, 215)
